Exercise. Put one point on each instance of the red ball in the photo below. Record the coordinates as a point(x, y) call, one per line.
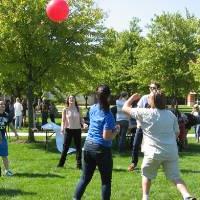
point(57, 10)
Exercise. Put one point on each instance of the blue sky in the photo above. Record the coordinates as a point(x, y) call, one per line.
point(120, 12)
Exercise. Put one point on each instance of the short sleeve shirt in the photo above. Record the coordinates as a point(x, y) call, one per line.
point(121, 115)
point(4, 121)
point(100, 120)
point(159, 132)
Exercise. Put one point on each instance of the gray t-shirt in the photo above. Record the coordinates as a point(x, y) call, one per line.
point(160, 128)
point(121, 115)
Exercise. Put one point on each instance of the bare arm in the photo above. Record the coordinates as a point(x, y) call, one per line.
point(110, 134)
point(128, 104)
point(63, 121)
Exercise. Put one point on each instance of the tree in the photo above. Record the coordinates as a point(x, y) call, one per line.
point(44, 53)
point(120, 57)
point(166, 53)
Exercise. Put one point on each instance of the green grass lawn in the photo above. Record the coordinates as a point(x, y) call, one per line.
point(36, 176)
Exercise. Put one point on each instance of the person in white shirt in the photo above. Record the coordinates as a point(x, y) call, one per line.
point(122, 119)
point(142, 103)
point(18, 113)
point(160, 130)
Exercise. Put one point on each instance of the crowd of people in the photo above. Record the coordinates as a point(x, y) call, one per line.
point(157, 131)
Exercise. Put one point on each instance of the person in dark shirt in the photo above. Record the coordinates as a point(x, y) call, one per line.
point(4, 121)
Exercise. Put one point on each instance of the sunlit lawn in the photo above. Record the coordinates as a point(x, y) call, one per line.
point(36, 176)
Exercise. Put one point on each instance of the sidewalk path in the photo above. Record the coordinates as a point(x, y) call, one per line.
point(37, 134)
point(44, 134)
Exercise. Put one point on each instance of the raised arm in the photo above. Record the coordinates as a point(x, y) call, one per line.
point(128, 104)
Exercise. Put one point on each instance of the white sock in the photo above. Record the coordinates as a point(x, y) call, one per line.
point(186, 195)
point(145, 197)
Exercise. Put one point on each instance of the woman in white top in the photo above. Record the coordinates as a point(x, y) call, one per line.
point(160, 129)
point(71, 128)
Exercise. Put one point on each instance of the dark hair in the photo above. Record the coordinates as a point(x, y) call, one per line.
point(76, 104)
point(159, 100)
point(123, 94)
point(156, 84)
point(103, 92)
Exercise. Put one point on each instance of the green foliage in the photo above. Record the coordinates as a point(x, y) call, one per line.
point(120, 57)
point(43, 54)
point(166, 52)
point(41, 50)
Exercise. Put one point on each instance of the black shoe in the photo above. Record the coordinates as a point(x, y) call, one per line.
point(190, 198)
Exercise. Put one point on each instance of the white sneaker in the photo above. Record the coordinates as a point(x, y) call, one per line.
point(8, 173)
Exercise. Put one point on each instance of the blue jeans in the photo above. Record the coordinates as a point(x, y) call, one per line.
point(136, 145)
point(95, 155)
point(18, 121)
point(124, 124)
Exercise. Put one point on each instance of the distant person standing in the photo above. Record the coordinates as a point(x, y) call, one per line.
point(196, 112)
point(44, 108)
point(25, 107)
point(18, 113)
point(122, 119)
point(52, 111)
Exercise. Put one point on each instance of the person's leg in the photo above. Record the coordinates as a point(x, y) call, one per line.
point(67, 142)
point(122, 134)
point(105, 165)
point(16, 122)
point(149, 170)
point(172, 172)
point(77, 142)
point(198, 133)
point(52, 117)
point(5, 162)
point(8, 172)
point(135, 150)
point(89, 166)
point(44, 118)
point(146, 185)
point(182, 188)
point(20, 121)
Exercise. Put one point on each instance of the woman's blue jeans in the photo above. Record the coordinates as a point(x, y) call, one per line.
point(95, 155)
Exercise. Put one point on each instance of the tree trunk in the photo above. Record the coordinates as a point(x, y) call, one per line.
point(86, 101)
point(31, 137)
point(30, 82)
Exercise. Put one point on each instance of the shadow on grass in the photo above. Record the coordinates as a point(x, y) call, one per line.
point(38, 175)
point(41, 144)
point(191, 150)
point(14, 192)
point(51, 145)
point(125, 170)
point(190, 171)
